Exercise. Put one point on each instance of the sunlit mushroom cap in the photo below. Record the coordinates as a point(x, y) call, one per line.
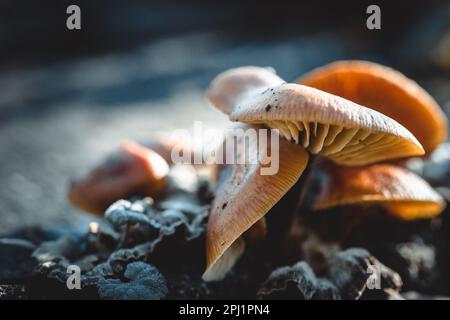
point(328, 125)
point(387, 91)
point(401, 192)
point(243, 197)
point(135, 170)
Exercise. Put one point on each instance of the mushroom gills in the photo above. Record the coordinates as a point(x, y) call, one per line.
point(336, 142)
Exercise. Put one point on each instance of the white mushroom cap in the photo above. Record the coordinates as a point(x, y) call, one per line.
point(325, 124)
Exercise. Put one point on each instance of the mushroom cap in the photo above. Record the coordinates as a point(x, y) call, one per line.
point(328, 125)
point(387, 91)
point(401, 192)
point(135, 170)
point(243, 197)
point(230, 86)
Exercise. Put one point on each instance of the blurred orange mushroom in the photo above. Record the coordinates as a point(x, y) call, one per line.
point(135, 170)
point(402, 193)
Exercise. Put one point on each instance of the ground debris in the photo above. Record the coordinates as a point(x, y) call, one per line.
point(10, 292)
point(343, 275)
point(145, 282)
point(119, 256)
point(16, 261)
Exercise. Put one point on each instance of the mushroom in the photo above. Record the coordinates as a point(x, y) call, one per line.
point(402, 193)
point(326, 125)
point(319, 123)
point(387, 91)
point(390, 92)
point(135, 170)
point(242, 198)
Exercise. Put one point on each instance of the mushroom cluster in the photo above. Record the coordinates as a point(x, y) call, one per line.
point(354, 123)
point(360, 119)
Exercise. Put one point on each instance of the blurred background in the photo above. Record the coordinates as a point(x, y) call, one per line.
point(137, 68)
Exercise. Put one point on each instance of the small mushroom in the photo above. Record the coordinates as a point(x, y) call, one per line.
point(242, 198)
point(325, 124)
point(135, 170)
point(402, 193)
point(387, 91)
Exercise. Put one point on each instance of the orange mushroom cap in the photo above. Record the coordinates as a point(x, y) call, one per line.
point(135, 170)
point(387, 91)
point(404, 194)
